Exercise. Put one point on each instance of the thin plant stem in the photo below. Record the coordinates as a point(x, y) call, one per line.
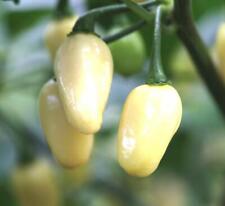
point(156, 73)
point(62, 9)
point(124, 32)
point(189, 36)
point(86, 22)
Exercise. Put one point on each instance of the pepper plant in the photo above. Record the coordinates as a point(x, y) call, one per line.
point(72, 103)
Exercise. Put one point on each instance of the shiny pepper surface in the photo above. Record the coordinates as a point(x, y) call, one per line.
point(84, 70)
point(56, 33)
point(35, 185)
point(70, 147)
point(150, 117)
point(220, 49)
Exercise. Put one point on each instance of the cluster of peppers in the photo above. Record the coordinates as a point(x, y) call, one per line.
point(72, 106)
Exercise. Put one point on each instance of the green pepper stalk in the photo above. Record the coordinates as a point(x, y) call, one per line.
point(62, 9)
point(86, 22)
point(156, 73)
point(124, 32)
point(141, 12)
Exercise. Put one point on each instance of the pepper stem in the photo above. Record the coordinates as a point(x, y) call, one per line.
point(86, 22)
point(124, 32)
point(156, 73)
point(62, 9)
point(190, 37)
point(141, 12)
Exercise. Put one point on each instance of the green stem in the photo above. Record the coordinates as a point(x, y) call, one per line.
point(190, 37)
point(86, 22)
point(140, 11)
point(125, 32)
point(62, 9)
point(156, 73)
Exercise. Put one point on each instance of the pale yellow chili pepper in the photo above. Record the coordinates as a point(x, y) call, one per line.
point(84, 70)
point(150, 117)
point(70, 147)
point(56, 33)
point(35, 184)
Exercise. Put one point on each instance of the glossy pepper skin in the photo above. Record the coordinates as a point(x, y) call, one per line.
point(220, 49)
point(84, 69)
point(150, 117)
point(35, 185)
point(56, 33)
point(70, 147)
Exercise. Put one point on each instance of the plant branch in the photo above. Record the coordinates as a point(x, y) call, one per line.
point(62, 9)
point(130, 29)
point(188, 34)
point(86, 22)
point(141, 12)
point(124, 32)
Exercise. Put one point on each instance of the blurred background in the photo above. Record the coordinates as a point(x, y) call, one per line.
point(192, 171)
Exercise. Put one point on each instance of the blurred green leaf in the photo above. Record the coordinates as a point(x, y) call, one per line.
point(18, 21)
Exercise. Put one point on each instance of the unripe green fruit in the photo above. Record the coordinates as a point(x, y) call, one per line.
point(128, 54)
